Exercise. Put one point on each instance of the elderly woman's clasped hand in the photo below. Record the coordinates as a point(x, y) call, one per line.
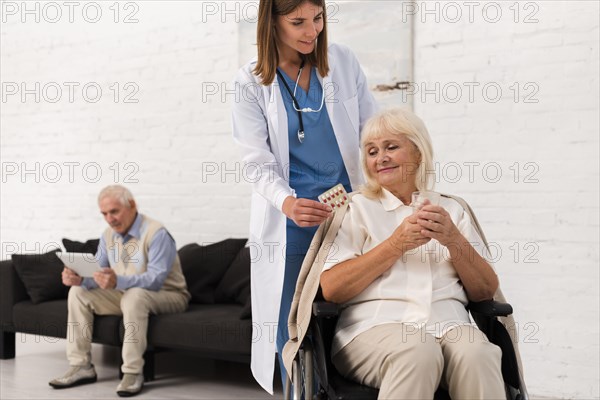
point(430, 222)
point(435, 223)
point(408, 235)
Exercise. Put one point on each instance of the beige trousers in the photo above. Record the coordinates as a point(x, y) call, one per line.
point(134, 305)
point(404, 362)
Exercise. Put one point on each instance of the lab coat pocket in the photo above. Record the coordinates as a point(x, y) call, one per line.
point(351, 106)
point(258, 213)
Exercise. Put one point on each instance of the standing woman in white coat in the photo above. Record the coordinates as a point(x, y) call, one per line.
point(297, 115)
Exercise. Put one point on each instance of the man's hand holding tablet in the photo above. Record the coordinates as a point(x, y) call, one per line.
point(82, 264)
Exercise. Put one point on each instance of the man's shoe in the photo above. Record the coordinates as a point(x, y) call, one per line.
point(130, 385)
point(75, 376)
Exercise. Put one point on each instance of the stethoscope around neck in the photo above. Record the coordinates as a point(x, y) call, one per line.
point(295, 101)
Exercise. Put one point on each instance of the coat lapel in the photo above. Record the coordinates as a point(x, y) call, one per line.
point(330, 93)
point(278, 120)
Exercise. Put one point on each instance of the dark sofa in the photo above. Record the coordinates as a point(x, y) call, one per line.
point(216, 325)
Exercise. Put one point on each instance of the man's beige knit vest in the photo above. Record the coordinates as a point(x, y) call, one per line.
point(132, 258)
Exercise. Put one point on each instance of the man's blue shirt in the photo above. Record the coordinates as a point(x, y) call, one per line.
point(161, 254)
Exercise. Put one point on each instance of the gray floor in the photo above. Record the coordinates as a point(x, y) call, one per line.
point(178, 375)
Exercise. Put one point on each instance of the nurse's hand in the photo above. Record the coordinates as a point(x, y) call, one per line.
point(305, 212)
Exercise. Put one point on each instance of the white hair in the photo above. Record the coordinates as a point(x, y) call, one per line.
point(118, 192)
point(399, 122)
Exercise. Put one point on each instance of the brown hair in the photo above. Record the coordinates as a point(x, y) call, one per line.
point(266, 38)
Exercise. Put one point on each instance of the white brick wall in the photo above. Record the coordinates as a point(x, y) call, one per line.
point(174, 52)
point(550, 210)
point(175, 142)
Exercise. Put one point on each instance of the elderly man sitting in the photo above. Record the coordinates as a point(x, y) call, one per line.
point(141, 274)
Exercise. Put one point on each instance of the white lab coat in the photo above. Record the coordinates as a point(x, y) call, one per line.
point(260, 127)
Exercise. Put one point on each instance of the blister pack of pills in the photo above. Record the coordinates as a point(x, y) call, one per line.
point(335, 197)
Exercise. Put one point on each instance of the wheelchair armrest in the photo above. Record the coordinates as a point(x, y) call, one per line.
point(325, 309)
point(490, 308)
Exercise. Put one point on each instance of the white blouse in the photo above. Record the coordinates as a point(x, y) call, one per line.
point(422, 288)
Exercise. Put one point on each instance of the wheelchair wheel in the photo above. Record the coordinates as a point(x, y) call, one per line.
point(308, 370)
point(287, 390)
point(296, 380)
point(301, 385)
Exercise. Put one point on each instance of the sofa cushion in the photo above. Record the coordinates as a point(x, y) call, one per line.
point(246, 312)
point(204, 266)
point(73, 246)
point(214, 329)
point(50, 319)
point(41, 276)
point(12, 291)
point(234, 287)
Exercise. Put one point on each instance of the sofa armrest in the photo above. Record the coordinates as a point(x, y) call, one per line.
point(12, 291)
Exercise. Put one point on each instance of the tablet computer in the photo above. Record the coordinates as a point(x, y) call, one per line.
point(85, 264)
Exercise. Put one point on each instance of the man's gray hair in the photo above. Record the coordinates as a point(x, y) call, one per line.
point(118, 192)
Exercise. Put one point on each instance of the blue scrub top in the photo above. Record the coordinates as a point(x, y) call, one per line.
point(316, 164)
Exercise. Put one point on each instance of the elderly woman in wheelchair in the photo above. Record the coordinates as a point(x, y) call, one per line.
point(404, 276)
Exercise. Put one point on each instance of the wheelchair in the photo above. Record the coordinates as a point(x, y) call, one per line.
point(313, 375)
